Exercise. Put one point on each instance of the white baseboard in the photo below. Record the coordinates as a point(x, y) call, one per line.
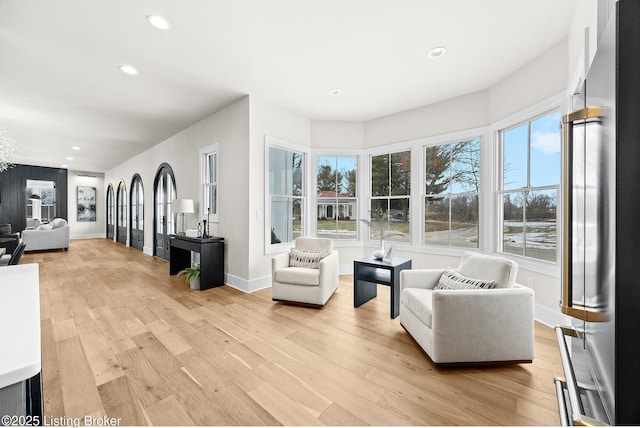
point(88, 236)
point(551, 318)
point(147, 250)
point(245, 285)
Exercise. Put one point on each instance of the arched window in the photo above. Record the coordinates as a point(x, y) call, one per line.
point(163, 221)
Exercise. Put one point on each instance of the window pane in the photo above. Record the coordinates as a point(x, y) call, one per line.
point(465, 167)
point(437, 171)
point(212, 170)
point(515, 143)
point(296, 160)
point(541, 225)
point(436, 221)
point(464, 221)
point(399, 229)
point(545, 150)
point(277, 171)
point(380, 175)
point(401, 173)
point(326, 176)
point(513, 224)
point(346, 175)
point(213, 198)
point(378, 217)
point(297, 215)
point(347, 218)
point(280, 220)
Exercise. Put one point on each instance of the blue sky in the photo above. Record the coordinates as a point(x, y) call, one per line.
point(545, 153)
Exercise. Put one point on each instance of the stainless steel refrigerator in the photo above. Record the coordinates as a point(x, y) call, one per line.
point(600, 350)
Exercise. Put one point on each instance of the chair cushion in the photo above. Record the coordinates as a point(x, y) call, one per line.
point(306, 259)
point(298, 276)
point(419, 301)
point(502, 271)
point(451, 280)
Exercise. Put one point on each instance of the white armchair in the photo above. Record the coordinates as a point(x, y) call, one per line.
point(308, 285)
point(470, 325)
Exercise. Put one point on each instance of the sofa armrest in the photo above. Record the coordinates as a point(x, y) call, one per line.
point(420, 278)
point(330, 269)
point(279, 261)
point(496, 324)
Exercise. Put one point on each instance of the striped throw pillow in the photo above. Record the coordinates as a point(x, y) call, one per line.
point(306, 259)
point(451, 280)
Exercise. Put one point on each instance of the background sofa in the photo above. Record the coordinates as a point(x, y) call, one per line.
point(49, 236)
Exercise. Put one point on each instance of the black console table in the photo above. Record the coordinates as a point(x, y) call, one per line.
point(211, 258)
point(368, 272)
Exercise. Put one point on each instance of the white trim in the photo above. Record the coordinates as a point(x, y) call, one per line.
point(203, 153)
point(88, 236)
point(527, 115)
point(315, 154)
point(245, 285)
point(305, 223)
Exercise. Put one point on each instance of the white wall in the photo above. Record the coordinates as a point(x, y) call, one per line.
point(86, 229)
point(276, 122)
point(464, 112)
point(542, 77)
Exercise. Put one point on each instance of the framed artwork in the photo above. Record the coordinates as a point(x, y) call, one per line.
point(388, 254)
point(86, 203)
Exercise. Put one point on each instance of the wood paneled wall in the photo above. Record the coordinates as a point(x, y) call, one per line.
point(13, 197)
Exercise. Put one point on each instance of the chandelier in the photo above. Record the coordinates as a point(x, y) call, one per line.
point(8, 149)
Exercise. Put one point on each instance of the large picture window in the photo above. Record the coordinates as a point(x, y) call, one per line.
point(286, 194)
point(336, 202)
point(390, 196)
point(452, 186)
point(530, 181)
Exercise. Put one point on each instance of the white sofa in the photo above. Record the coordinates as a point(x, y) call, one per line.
point(470, 325)
point(311, 286)
point(49, 236)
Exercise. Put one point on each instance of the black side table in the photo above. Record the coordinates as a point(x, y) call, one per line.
point(211, 258)
point(369, 271)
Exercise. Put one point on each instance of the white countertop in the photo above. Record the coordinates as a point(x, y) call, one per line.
point(19, 323)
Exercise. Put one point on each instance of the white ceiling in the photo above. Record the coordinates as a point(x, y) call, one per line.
point(60, 85)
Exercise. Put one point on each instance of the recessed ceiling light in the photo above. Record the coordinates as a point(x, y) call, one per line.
point(158, 22)
point(128, 69)
point(69, 158)
point(75, 148)
point(64, 165)
point(335, 92)
point(437, 52)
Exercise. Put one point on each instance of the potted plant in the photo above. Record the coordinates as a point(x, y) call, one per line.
point(192, 276)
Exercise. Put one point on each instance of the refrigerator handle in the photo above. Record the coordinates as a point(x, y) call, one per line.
point(574, 413)
point(568, 121)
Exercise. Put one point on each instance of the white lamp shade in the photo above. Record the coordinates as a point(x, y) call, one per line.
point(182, 206)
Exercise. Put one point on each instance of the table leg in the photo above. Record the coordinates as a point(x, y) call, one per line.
point(363, 291)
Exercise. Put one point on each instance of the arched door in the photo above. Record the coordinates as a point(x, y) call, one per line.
point(137, 213)
point(121, 214)
point(111, 204)
point(163, 222)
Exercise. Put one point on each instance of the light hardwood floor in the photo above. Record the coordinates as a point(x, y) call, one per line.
point(122, 338)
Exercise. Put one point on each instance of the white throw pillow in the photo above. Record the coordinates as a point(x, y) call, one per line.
point(306, 259)
point(58, 222)
point(451, 280)
point(46, 226)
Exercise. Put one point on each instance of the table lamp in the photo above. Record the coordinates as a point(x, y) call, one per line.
point(182, 207)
